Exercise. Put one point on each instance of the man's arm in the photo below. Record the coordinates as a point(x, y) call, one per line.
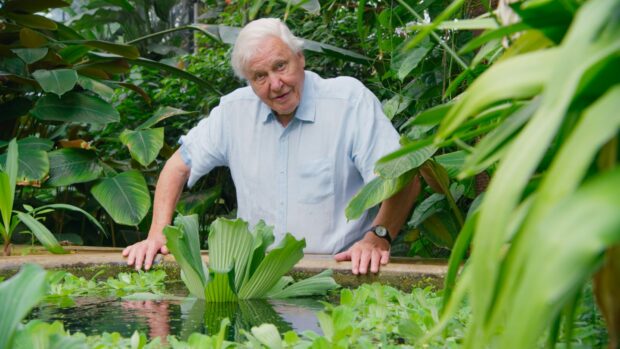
point(167, 192)
point(373, 250)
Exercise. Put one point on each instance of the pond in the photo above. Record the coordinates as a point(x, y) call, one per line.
point(160, 318)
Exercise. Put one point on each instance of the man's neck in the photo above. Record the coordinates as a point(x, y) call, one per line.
point(284, 119)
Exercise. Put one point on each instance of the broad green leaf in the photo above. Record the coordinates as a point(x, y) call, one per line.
point(8, 180)
point(73, 53)
point(162, 114)
point(75, 107)
point(263, 238)
point(277, 263)
point(97, 87)
point(440, 229)
point(35, 143)
point(34, 165)
point(375, 192)
point(197, 203)
point(312, 6)
point(452, 162)
point(45, 237)
point(408, 60)
point(30, 55)
point(125, 197)
point(18, 295)
point(230, 247)
point(395, 105)
point(33, 21)
point(183, 243)
point(317, 284)
point(144, 145)
point(268, 335)
point(127, 51)
point(76, 209)
point(469, 24)
point(405, 159)
point(56, 81)
point(69, 166)
point(31, 39)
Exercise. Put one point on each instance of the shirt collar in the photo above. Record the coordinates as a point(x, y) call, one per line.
point(307, 107)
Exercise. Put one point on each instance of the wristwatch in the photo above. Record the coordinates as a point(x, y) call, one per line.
point(382, 232)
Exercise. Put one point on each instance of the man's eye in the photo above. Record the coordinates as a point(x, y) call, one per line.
point(259, 77)
point(280, 66)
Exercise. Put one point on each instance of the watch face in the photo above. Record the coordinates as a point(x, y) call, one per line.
point(380, 231)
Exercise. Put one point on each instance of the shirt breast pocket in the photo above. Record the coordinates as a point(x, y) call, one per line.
point(316, 181)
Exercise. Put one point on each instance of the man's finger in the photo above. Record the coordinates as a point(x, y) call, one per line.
point(364, 261)
point(164, 249)
point(126, 251)
point(151, 252)
point(355, 261)
point(139, 258)
point(374, 262)
point(343, 256)
point(132, 255)
point(385, 257)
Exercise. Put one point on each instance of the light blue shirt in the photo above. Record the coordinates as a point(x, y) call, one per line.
point(298, 178)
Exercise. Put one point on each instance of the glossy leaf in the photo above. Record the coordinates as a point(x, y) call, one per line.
point(375, 192)
point(30, 55)
point(92, 219)
point(75, 107)
point(318, 284)
point(45, 237)
point(401, 161)
point(125, 197)
point(33, 21)
point(56, 81)
point(161, 114)
point(97, 87)
point(144, 145)
point(230, 247)
point(18, 296)
point(31, 39)
point(35, 143)
point(70, 166)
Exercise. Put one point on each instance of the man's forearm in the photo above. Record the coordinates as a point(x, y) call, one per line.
point(394, 211)
point(167, 192)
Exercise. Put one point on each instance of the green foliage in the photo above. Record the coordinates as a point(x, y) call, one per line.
point(238, 267)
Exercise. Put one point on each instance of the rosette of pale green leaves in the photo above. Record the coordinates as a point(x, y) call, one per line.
point(239, 267)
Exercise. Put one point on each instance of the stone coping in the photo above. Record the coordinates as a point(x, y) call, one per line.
point(401, 272)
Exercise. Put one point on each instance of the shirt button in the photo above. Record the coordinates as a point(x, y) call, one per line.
point(281, 203)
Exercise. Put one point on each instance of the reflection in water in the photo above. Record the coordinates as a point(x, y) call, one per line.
point(180, 318)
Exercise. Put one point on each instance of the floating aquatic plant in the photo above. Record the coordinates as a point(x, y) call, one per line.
point(239, 267)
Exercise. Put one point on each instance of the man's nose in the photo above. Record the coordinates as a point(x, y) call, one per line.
point(275, 83)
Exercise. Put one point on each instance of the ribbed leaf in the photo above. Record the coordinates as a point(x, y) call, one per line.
point(45, 237)
point(56, 81)
point(263, 238)
point(33, 21)
point(125, 197)
point(221, 286)
point(18, 296)
point(277, 263)
point(268, 335)
point(35, 143)
point(75, 107)
point(70, 166)
point(405, 159)
point(230, 247)
point(183, 242)
point(144, 145)
point(317, 284)
point(375, 192)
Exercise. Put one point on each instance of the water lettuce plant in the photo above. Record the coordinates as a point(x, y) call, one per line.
point(238, 267)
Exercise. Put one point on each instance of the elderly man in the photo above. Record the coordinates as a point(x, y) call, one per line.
point(298, 148)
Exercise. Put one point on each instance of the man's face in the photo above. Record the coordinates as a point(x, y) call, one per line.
point(276, 75)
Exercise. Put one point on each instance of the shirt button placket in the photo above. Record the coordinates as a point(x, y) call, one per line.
point(282, 181)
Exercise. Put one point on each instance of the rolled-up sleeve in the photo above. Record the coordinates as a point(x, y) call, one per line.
point(204, 146)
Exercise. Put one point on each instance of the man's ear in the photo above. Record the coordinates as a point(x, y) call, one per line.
point(302, 59)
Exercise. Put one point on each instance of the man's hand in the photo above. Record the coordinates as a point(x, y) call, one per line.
point(145, 251)
point(371, 250)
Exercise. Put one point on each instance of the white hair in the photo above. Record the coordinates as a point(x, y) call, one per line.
point(252, 36)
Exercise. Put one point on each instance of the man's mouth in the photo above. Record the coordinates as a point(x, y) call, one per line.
point(282, 96)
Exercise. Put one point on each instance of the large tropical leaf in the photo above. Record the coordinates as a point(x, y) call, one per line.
point(57, 81)
point(18, 296)
point(317, 284)
point(75, 107)
point(45, 237)
point(230, 247)
point(375, 192)
point(30, 55)
point(75, 209)
point(69, 166)
point(162, 114)
point(144, 145)
point(125, 197)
